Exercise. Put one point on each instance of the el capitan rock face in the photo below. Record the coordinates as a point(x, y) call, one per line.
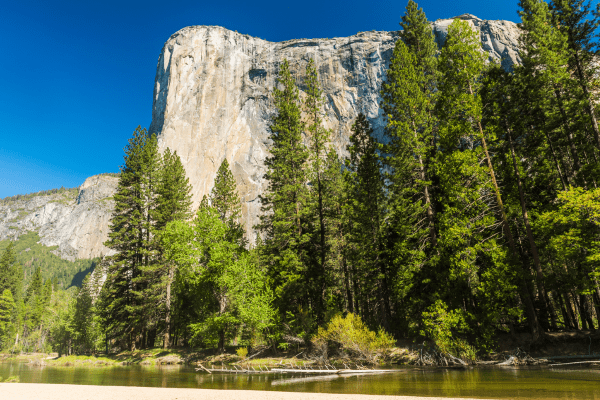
point(212, 88)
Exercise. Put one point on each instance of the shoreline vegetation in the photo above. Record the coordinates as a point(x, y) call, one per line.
point(562, 348)
point(469, 234)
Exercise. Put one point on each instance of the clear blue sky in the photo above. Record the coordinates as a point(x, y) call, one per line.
point(77, 77)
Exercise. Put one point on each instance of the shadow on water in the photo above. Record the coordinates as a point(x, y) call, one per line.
point(501, 383)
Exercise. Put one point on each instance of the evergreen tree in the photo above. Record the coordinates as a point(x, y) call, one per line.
point(365, 213)
point(581, 24)
point(409, 99)
point(7, 326)
point(82, 325)
point(545, 64)
point(173, 192)
point(173, 203)
point(10, 271)
point(469, 191)
point(284, 223)
point(132, 231)
point(225, 198)
point(318, 138)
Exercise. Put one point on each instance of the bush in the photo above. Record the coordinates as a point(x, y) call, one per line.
point(242, 352)
point(349, 336)
point(443, 327)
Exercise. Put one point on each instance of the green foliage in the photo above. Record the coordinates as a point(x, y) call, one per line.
point(220, 273)
point(444, 328)
point(225, 198)
point(352, 337)
point(572, 230)
point(7, 318)
point(31, 255)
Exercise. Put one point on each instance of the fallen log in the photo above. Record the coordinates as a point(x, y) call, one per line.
point(573, 363)
point(332, 371)
point(204, 368)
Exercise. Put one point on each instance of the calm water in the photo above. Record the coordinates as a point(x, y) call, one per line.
point(522, 383)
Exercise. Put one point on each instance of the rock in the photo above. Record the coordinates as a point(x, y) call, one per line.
point(212, 94)
point(77, 225)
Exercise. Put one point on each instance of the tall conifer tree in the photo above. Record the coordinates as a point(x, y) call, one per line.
point(318, 138)
point(132, 236)
point(409, 99)
point(225, 198)
point(284, 223)
point(366, 204)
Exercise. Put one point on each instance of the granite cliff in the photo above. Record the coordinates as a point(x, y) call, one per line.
point(74, 220)
point(212, 93)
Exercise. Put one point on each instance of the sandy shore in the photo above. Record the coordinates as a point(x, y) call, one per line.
point(43, 391)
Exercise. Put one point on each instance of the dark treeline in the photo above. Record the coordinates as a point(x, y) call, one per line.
point(478, 213)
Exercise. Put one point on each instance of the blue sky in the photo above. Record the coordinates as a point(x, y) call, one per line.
point(77, 77)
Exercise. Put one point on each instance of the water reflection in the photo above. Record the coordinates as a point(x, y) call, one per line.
point(523, 383)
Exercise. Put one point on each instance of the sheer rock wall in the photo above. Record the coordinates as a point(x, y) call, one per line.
point(212, 94)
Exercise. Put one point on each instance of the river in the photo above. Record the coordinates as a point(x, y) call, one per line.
point(501, 383)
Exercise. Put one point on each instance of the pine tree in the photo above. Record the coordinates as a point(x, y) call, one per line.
point(7, 326)
point(9, 271)
point(467, 186)
point(132, 231)
point(225, 198)
point(173, 203)
point(174, 199)
point(576, 18)
point(545, 63)
point(318, 148)
point(365, 213)
point(409, 97)
point(339, 294)
point(284, 204)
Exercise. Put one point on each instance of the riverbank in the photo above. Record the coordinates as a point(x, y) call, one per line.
point(569, 343)
point(40, 391)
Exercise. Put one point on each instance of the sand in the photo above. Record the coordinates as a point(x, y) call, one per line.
point(44, 391)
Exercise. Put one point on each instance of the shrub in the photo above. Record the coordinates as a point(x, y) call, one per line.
point(443, 327)
point(349, 336)
point(242, 352)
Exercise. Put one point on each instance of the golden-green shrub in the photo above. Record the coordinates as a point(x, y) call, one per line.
point(349, 336)
point(242, 352)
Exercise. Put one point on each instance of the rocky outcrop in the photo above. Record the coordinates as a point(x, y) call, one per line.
point(212, 94)
point(77, 224)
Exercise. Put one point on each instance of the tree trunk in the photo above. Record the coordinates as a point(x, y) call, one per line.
point(349, 300)
point(568, 132)
point(532, 245)
point(566, 317)
point(166, 341)
point(563, 179)
point(423, 177)
point(222, 341)
point(573, 312)
point(534, 324)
